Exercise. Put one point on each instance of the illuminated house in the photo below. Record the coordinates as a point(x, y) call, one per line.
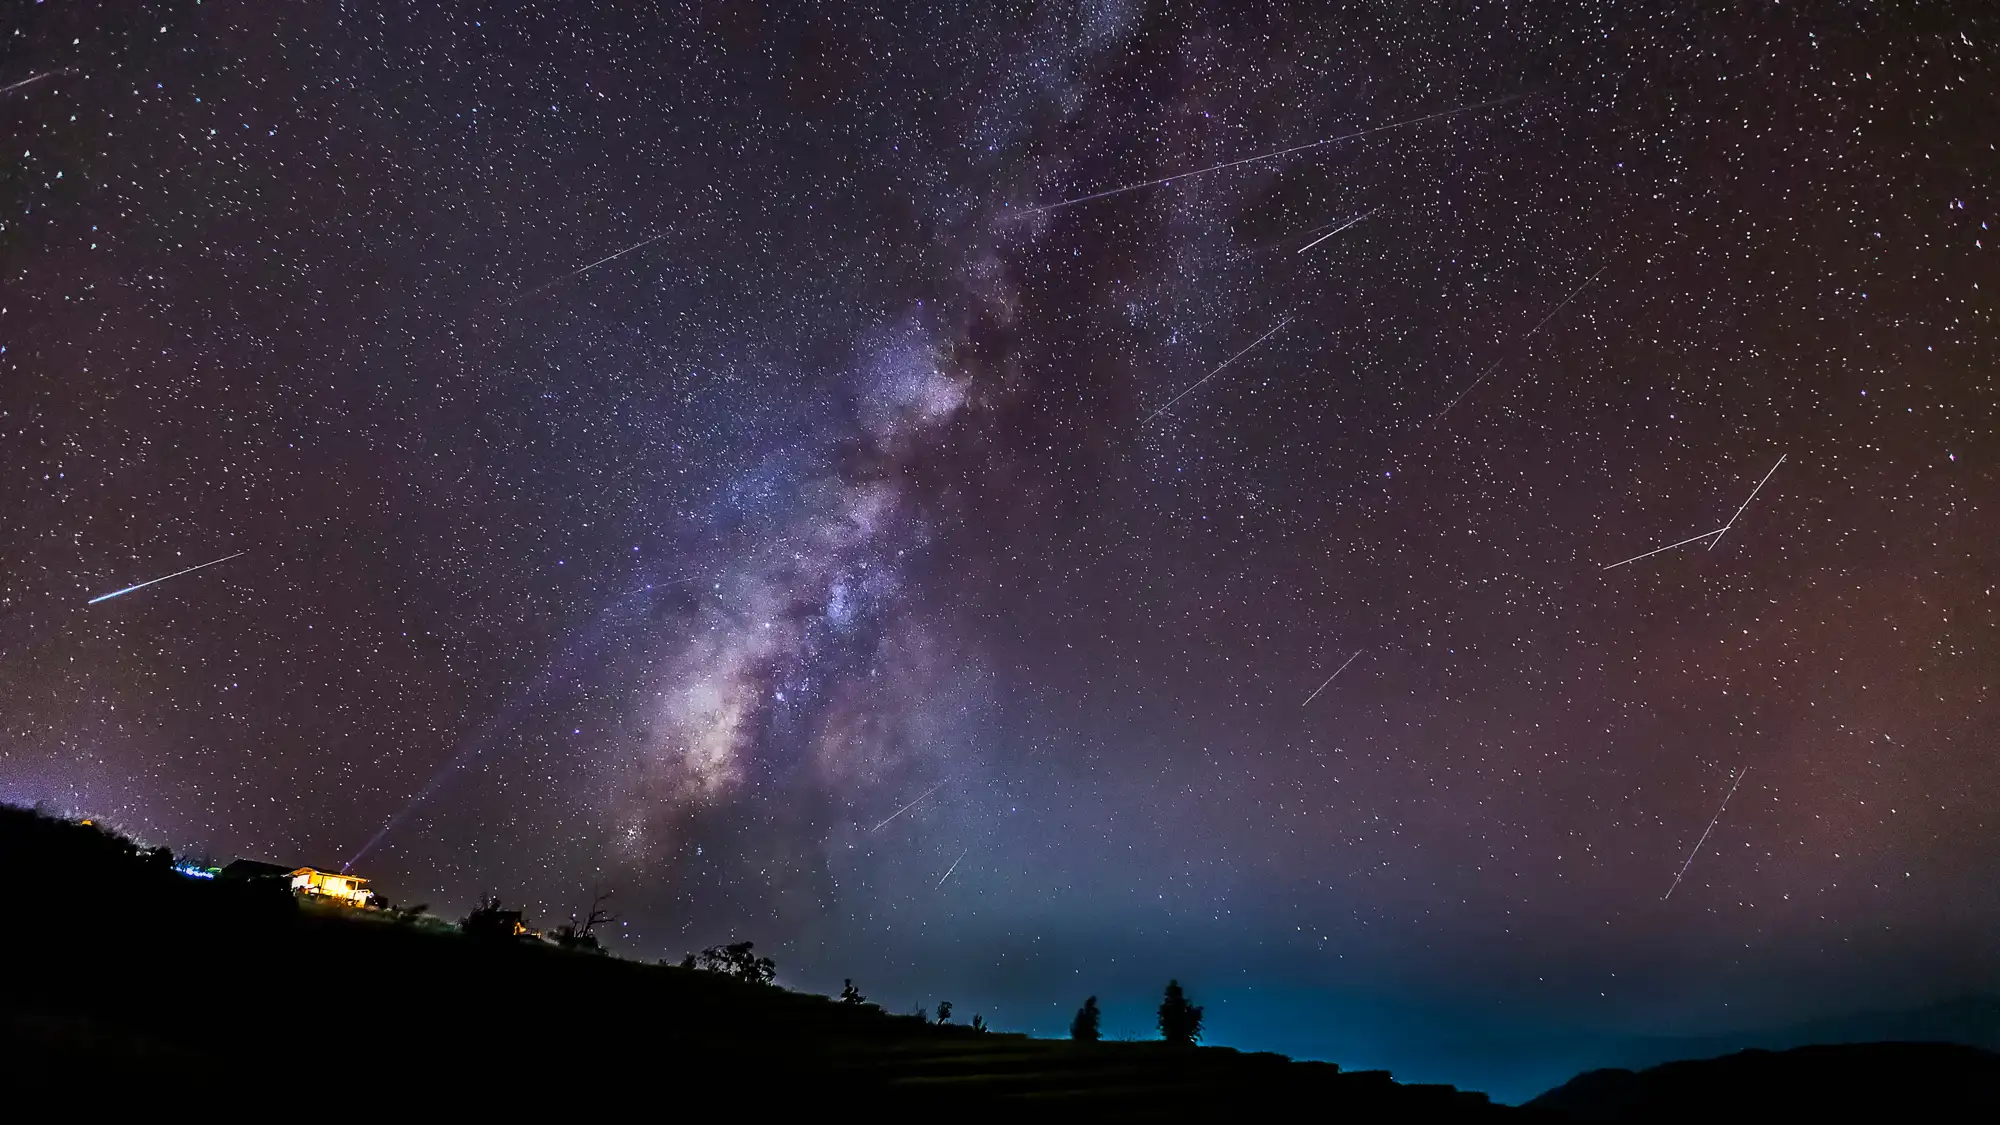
point(349, 889)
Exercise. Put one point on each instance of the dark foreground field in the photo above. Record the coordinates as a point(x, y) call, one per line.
point(127, 982)
point(124, 976)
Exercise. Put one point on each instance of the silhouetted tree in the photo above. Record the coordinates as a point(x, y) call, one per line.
point(850, 994)
point(410, 914)
point(579, 935)
point(490, 922)
point(978, 1022)
point(1083, 1028)
point(1180, 1021)
point(737, 960)
point(944, 1011)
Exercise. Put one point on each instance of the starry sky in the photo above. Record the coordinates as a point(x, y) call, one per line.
point(724, 454)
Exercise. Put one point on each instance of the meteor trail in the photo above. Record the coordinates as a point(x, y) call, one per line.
point(1336, 230)
point(1746, 503)
point(13, 86)
point(519, 297)
point(1106, 194)
point(1705, 832)
point(1715, 536)
point(908, 807)
point(952, 868)
point(1330, 679)
point(1668, 547)
point(162, 578)
point(1217, 370)
point(1564, 303)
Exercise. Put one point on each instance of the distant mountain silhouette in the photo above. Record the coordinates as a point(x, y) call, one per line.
point(1972, 1021)
point(1846, 1081)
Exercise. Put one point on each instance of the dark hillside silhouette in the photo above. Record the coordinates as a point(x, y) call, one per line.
point(213, 993)
point(220, 993)
point(1841, 1082)
point(489, 921)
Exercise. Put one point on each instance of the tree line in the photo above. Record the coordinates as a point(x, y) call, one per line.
point(1179, 1020)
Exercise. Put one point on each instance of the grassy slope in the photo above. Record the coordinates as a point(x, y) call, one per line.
point(123, 974)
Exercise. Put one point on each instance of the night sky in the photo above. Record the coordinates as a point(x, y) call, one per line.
point(864, 477)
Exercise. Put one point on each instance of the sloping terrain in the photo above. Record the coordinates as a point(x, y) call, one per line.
point(1848, 1081)
point(124, 975)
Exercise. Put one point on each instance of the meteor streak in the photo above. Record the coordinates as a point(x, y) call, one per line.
point(953, 867)
point(1491, 367)
point(537, 291)
point(908, 807)
point(1715, 536)
point(1668, 547)
point(162, 578)
point(1330, 679)
point(1336, 230)
point(1746, 503)
point(1109, 192)
point(13, 86)
point(1217, 370)
point(1705, 832)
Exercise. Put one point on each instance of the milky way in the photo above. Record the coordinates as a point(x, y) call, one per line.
point(683, 451)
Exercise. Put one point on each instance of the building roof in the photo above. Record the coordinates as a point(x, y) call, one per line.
point(254, 869)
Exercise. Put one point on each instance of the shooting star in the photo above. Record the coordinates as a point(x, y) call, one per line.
point(1704, 832)
point(13, 86)
point(1336, 230)
point(1283, 152)
point(1330, 679)
point(908, 807)
point(1279, 327)
point(1491, 367)
point(1714, 536)
point(952, 868)
point(1668, 547)
point(162, 578)
point(1746, 503)
point(538, 290)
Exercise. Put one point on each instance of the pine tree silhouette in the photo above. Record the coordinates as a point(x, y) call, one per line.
point(1180, 1021)
point(1083, 1028)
